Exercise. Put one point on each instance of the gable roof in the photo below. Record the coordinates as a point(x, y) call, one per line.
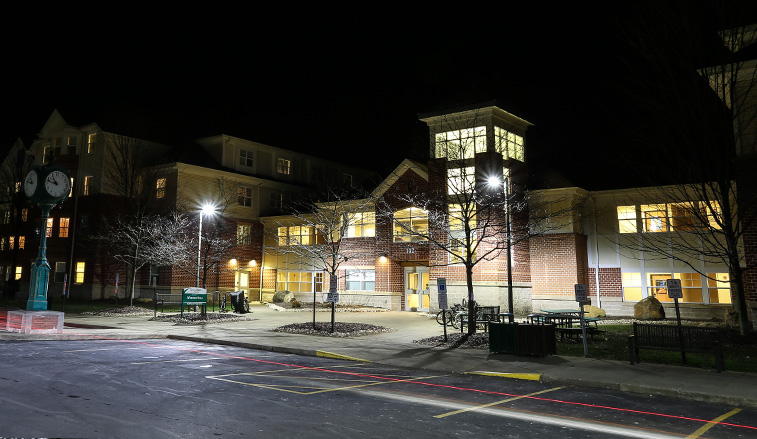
point(398, 172)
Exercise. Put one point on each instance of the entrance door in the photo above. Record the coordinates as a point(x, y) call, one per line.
point(416, 289)
point(242, 282)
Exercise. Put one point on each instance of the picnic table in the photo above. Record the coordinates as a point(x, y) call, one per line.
point(566, 321)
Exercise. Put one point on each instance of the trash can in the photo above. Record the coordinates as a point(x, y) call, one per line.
point(237, 301)
point(537, 340)
point(503, 338)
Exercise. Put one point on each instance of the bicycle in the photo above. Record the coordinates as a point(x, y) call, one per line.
point(450, 314)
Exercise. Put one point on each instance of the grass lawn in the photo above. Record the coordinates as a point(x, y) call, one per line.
point(740, 353)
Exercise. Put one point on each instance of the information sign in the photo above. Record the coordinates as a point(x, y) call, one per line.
point(332, 297)
point(674, 289)
point(581, 294)
point(441, 284)
point(194, 296)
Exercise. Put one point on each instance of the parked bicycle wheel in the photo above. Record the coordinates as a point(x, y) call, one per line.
point(440, 317)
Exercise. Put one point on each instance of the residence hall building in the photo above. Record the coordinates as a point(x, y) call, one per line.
point(590, 238)
point(242, 179)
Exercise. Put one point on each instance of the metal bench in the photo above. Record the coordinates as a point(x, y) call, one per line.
point(695, 339)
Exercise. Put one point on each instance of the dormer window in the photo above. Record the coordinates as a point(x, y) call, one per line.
point(284, 166)
point(245, 158)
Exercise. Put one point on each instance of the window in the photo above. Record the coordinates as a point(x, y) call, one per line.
point(245, 157)
point(461, 180)
point(299, 282)
point(79, 274)
point(691, 285)
point(361, 225)
point(631, 283)
point(409, 224)
point(347, 180)
point(71, 142)
point(300, 235)
point(244, 236)
point(63, 227)
point(284, 166)
point(19, 271)
point(719, 287)
point(56, 147)
point(60, 272)
point(244, 196)
point(655, 217)
point(360, 280)
point(277, 200)
point(18, 187)
point(7, 217)
point(460, 144)
point(91, 139)
point(160, 188)
point(627, 219)
point(49, 228)
point(24, 214)
point(11, 243)
point(87, 185)
point(510, 145)
point(45, 153)
point(21, 242)
point(2, 243)
point(458, 217)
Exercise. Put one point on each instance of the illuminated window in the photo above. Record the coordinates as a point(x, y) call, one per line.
point(299, 282)
point(410, 225)
point(45, 153)
point(160, 188)
point(461, 180)
point(49, 228)
point(19, 271)
point(244, 196)
point(627, 219)
point(56, 146)
point(18, 187)
point(24, 214)
point(91, 139)
point(632, 287)
point(63, 227)
point(11, 243)
point(300, 235)
point(21, 242)
point(510, 145)
point(655, 217)
point(458, 248)
point(360, 280)
point(460, 144)
point(691, 286)
point(683, 216)
point(284, 166)
point(87, 185)
point(244, 237)
point(714, 215)
point(79, 274)
point(2, 243)
point(7, 217)
point(245, 157)
point(361, 224)
point(719, 287)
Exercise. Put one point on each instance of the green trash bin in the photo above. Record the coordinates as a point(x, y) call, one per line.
point(503, 338)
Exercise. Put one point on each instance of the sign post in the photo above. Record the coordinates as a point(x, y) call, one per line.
point(675, 292)
point(332, 297)
point(441, 284)
point(581, 297)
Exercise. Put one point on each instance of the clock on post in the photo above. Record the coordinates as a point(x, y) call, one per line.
point(46, 186)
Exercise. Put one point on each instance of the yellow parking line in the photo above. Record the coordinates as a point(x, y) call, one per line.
point(339, 356)
point(711, 424)
point(518, 376)
point(443, 415)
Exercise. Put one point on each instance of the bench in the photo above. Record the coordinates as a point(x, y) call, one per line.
point(484, 315)
point(163, 299)
point(696, 339)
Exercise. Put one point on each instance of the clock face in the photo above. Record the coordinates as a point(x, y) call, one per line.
point(57, 184)
point(30, 183)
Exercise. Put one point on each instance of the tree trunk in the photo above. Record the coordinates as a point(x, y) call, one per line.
point(471, 302)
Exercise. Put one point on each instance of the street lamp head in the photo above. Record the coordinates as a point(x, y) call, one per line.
point(494, 181)
point(207, 209)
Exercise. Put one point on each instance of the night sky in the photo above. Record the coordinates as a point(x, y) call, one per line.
point(347, 87)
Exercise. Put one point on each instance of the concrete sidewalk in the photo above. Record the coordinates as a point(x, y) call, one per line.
point(397, 349)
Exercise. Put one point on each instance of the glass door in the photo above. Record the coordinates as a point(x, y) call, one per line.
point(416, 289)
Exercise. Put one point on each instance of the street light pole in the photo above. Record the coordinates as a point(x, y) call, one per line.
point(199, 249)
point(206, 209)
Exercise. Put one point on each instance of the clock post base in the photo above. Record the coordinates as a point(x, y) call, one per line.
point(40, 274)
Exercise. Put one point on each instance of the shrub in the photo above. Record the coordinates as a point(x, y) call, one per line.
point(296, 303)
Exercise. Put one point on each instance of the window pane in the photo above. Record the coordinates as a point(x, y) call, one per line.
point(719, 287)
point(627, 219)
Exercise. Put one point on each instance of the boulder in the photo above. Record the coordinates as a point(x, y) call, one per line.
point(283, 296)
point(648, 309)
point(593, 311)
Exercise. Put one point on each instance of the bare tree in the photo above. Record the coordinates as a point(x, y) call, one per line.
point(15, 204)
point(314, 233)
point(697, 95)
